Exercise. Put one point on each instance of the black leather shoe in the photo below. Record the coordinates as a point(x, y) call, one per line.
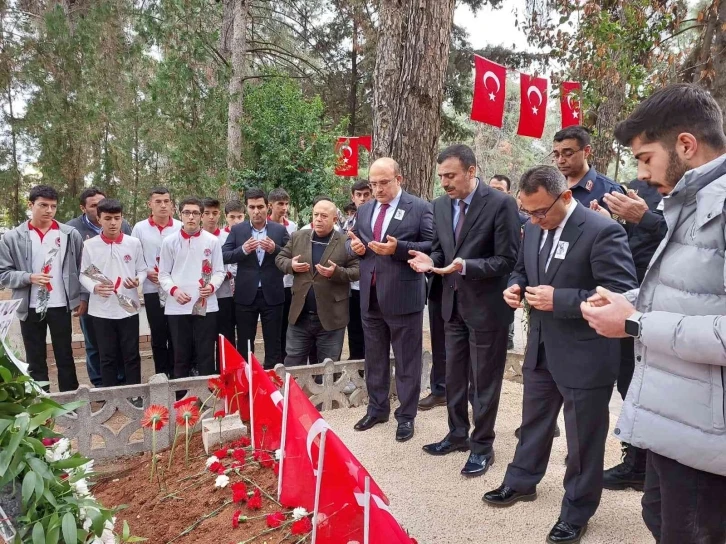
point(506, 496)
point(566, 533)
point(445, 447)
point(368, 422)
point(477, 464)
point(404, 431)
point(629, 473)
point(432, 401)
point(557, 432)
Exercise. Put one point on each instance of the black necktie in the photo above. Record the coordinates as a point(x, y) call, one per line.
point(545, 253)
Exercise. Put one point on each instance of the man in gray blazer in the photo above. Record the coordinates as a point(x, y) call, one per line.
point(567, 251)
point(477, 235)
point(392, 295)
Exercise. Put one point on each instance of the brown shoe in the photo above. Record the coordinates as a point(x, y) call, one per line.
point(432, 401)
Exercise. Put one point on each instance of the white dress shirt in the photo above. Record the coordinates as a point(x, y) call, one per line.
point(557, 233)
point(392, 206)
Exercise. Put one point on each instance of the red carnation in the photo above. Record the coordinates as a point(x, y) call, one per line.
point(275, 520)
point(239, 492)
point(220, 454)
point(255, 502)
point(238, 518)
point(265, 460)
point(219, 414)
point(239, 455)
point(242, 442)
point(302, 526)
point(215, 467)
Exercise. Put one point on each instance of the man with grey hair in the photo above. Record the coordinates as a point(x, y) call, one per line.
point(567, 251)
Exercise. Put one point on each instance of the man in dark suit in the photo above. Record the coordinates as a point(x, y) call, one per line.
point(392, 294)
point(567, 251)
point(260, 292)
point(477, 235)
point(322, 270)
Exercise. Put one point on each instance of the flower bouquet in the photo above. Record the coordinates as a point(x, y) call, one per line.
point(200, 306)
point(44, 290)
point(162, 293)
point(126, 302)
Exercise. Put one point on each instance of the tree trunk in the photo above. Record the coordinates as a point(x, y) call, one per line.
point(234, 126)
point(608, 115)
point(718, 62)
point(353, 96)
point(408, 86)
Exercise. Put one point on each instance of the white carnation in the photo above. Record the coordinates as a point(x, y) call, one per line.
point(299, 513)
point(221, 481)
point(278, 454)
point(213, 459)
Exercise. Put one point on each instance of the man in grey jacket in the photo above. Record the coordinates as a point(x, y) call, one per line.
point(88, 226)
point(675, 404)
point(39, 261)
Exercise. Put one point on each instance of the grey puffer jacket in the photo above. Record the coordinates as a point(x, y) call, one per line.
point(675, 404)
point(16, 265)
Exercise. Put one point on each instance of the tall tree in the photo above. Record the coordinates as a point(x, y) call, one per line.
point(236, 99)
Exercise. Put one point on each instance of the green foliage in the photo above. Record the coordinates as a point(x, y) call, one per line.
point(55, 500)
point(288, 142)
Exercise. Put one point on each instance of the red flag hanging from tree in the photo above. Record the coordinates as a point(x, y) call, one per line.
point(366, 141)
point(570, 103)
point(489, 92)
point(346, 151)
point(267, 404)
point(533, 106)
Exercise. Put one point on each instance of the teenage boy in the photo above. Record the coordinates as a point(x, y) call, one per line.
point(279, 211)
point(152, 232)
point(39, 261)
point(226, 320)
point(191, 272)
point(88, 226)
point(114, 307)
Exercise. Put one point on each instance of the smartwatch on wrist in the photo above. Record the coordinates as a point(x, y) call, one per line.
point(633, 326)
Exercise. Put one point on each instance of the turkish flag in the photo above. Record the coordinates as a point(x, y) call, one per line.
point(302, 445)
point(489, 92)
point(346, 151)
point(233, 372)
point(570, 103)
point(267, 406)
point(341, 514)
point(533, 106)
point(383, 526)
point(366, 141)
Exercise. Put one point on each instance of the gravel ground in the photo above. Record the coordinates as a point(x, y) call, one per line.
point(439, 506)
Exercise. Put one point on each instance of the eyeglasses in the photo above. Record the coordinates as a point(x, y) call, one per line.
point(541, 215)
point(382, 183)
point(189, 213)
point(567, 153)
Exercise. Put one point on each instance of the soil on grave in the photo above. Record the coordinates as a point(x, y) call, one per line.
point(161, 514)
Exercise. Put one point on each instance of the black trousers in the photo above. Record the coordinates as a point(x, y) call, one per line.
point(284, 324)
point(438, 347)
point(120, 337)
point(226, 319)
point(194, 337)
point(683, 505)
point(271, 317)
point(34, 330)
point(356, 338)
point(162, 347)
point(308, 331)
point(404, 333)
point(475, 363)
point(586, 426)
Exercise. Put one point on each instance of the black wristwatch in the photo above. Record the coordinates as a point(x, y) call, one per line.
point(633, 326)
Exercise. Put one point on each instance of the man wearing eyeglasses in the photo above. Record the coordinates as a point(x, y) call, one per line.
point(322, 271)
point(392, 294)
point(567, 251)
point(570, 154)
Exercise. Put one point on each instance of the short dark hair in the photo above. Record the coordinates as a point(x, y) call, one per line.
point(677, 108)
point(88, 193)
point(278, 195)
point(110, 205)
point(159, 191)
point(360, 185)
point(320, 198)
point(191, 201)
point(43, 191)
point(211, 203)
point(505, 179)
point(253, 194)
point(233, 206)
point(350, 207)
point(458, 151)
point(548, 177)
point(576, 132)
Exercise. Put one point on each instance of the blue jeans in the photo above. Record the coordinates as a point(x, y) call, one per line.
point(93, 359)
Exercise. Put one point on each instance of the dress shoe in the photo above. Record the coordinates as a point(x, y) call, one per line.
point(566, 533)
point(506, 496)
point(557, 432)
point(477, 464)
point(431, 401)
point(404, 432)
point(368, 422)
point(445, 447)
